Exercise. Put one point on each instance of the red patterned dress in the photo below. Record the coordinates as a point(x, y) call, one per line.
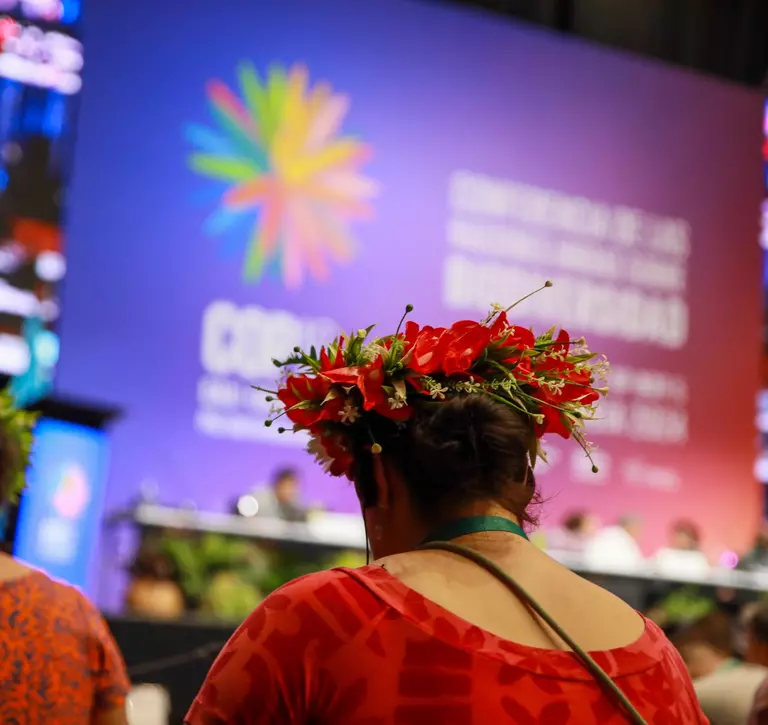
point(358, 647)
point(58, 662)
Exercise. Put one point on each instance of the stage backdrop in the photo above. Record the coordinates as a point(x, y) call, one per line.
point(252, 178)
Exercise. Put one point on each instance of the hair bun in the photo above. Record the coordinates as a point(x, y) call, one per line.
point(464, 425)
point(469, 446)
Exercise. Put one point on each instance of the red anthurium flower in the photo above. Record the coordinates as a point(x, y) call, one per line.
point(518, 341)
point(371, 382)
point(369, 379)
point(326, 363)
point(332, 408)
point(411, 333)
point(387, 411)
point(426, 355)
point(467, 343)
point(304, 389)
point(342, 466)
point(500, 326)
point(554, 367)
point(522, 369)
point(344, 376)
point(564, 340)
point(553, 422)
point(522, 338)
point(577, 387)
point(577, 382)
point(340, 458)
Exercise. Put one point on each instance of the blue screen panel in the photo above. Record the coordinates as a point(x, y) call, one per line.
point(61, 510)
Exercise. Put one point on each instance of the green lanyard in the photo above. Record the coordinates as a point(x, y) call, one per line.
point(474, 525)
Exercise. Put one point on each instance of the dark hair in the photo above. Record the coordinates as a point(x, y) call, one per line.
point(689, 529)
point(452, 453)
point(758, 622)
point(714, 629)
point(575, 521)
point(282, 474)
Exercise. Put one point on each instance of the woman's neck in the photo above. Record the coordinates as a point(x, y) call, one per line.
point(482, 508)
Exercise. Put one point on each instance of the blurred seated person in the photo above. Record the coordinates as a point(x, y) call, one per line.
point(682, 555)
point(281, 499)
point(616, 547)
point(575, 533)
point(725, 686)
point(757, 654)
point(757, 558)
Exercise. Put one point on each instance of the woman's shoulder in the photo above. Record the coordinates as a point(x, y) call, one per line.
point(313, 606)
point(46, 605)
point(332, 588)
point(34, 587)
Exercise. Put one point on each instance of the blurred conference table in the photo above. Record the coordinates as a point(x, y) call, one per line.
point(346, 531)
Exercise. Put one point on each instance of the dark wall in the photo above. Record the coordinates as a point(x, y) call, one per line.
point(726, 38)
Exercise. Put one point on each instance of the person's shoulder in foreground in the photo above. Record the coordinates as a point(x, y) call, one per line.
point(359, 646)
point(60, 663)
point(258, 677)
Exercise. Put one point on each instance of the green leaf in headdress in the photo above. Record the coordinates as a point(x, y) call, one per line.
point(16, 438)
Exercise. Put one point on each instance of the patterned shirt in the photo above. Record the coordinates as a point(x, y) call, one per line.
point(58, 662)
point(357, 646)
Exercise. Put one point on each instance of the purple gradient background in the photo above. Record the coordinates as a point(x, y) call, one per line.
point(433, 90)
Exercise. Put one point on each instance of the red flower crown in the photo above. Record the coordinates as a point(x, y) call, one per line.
point(549, 378)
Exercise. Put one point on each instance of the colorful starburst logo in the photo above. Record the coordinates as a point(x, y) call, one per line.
point(289, 182)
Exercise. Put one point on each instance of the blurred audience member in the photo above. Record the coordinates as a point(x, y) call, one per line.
point(757, 653)
point(725, 686)
point(59, 663)
point(577, 530)
point(682, 556)
point(616, 547)
point(757, 558)
point(281, 499)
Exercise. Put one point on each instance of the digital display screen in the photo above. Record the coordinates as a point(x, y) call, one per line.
point(290, 176)
point(60, 512)
point(40, 64)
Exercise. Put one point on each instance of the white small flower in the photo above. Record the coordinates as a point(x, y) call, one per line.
point(400, 391)
point(438, 392)
point(396, 403)
point(349, 413)
point(316, 448)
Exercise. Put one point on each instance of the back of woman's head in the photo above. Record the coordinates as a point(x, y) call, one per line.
point(455, 413)
point(453, 453)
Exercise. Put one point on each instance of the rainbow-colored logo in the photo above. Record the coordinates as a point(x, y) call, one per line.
point(291, 182)
point(73, 493)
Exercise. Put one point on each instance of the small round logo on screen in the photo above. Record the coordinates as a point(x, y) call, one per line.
point(72, 492)
point(287, 181)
